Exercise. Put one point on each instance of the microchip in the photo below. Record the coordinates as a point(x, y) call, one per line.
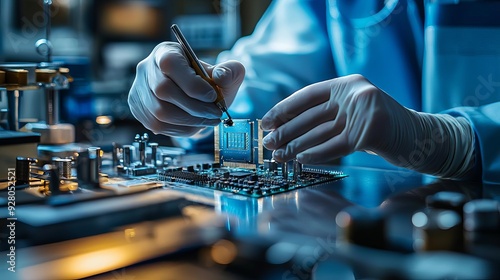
point(236, 142)
point(239, 145)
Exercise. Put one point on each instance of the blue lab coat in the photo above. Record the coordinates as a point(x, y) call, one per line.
point(300, 42)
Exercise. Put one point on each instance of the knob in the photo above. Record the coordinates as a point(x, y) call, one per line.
point(436, 229)
point(447, 201)
point(361, 226)
point(482, 215)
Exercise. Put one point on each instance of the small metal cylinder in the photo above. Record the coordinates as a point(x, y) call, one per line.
point(142, 148)
point(114, 153)
point(297, 170)
point(64, 167)
point(13, 102)
point(52, 106)
point(360, 226)
point(54, 179)
point(154, 153)
point(94, 158)
point(127, 155)
point(142, 153)
point(482, 215)
point(447, 201)
point(437, 230)
point(98, 152)
point(83, 171)
point(284, 170)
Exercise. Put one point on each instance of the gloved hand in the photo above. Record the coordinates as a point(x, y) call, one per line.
point(334, 118)
point(168, 97)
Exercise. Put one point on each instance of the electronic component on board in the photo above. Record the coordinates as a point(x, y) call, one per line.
point(137, 167)
point(260, 182)
point(239, 168)
point(239, 145)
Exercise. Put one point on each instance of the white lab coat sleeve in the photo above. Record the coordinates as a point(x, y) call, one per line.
point(288, 50)
point(485, 121)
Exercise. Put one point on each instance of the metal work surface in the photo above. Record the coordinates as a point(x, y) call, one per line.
point(291, 235)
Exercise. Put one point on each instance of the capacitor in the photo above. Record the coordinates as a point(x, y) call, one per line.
point(361, 226)
point(436, 230)
point(94, 158)
point(142, 141)
point(98, 155)
point(447, 201)
point(284, 170)
point(297, 170)
point(54, 179)
point(482, 215)
point(23, 170)
point(115, 152)
point(83, 172)
point(127, 155)
point(63, 166)
point(154, 153)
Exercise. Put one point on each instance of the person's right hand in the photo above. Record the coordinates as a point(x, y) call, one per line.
point(335, 118)
point(169, 98)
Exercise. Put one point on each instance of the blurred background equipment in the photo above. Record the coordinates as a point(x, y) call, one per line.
point(101, 42)
point(461, 55)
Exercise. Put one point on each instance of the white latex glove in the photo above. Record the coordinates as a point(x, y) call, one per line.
point(167, 96)
point(334, 118)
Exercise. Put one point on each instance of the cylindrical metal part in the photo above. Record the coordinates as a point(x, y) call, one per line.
point(436, 230)
point(98, 153)
point(64, 167)
point(297, 169)
point(142, 153)
point(13, 103)
point(127, 155)
point(154, 153)
point(23, 170)
point(141, 142)
point(82, 170)
point(54, 180)
point(48, 27)
point(114, 153)
point(482, 215)
point(51, 106)
point(447, 201)
point(94, 157)
point(284, 170)
point(360, 226)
